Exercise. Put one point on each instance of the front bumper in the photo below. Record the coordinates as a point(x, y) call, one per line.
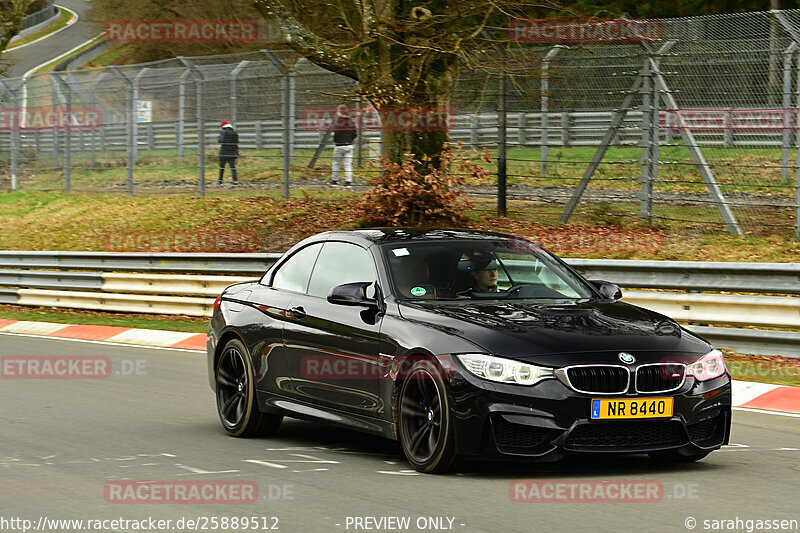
point(549, 419)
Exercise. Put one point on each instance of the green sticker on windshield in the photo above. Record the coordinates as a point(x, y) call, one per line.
point(418, 291)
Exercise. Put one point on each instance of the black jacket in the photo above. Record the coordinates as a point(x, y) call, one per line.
point(228, 141)
point(344, 131)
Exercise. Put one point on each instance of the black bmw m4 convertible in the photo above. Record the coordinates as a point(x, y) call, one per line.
point(461, 343)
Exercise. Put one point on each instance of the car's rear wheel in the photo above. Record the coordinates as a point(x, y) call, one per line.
point(426, 429)
point(236, 395)
point(676, 456)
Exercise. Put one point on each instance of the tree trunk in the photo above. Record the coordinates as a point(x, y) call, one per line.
point(432, 95)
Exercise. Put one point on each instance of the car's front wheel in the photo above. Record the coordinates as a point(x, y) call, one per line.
point(236, 395)
point(426, 429)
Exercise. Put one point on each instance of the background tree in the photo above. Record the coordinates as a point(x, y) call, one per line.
point(402, 53)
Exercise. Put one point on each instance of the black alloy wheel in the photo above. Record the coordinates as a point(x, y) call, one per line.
point(236, 395)
point(426, 432)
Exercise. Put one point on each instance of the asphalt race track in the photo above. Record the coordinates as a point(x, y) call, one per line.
point(24, 59)
point(153, 419)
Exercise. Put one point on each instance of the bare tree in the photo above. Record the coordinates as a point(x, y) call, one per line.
point(402, 53)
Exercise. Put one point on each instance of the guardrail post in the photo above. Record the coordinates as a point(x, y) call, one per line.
point(545, 104)
point(131, 120)
point(473, 129)
point(67, 89)
point(15, 127)
point(521, 125)
point(201, 129)
point(259, 136)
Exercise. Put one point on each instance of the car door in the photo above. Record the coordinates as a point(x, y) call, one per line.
point(336, 354)
point(271, 300)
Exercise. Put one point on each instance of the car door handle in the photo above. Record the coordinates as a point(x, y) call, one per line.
point(297, 312)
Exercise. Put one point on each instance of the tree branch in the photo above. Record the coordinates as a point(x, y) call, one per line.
point(324, 53)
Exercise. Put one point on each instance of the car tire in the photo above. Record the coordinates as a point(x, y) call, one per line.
point(425, 426)
point(675, 456)
point(236, 395)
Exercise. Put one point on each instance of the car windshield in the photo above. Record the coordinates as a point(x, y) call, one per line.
point(480, 269)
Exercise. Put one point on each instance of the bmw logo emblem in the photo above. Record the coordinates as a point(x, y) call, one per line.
point(627, 358)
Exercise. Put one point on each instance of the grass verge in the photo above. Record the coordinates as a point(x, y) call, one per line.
point(763, 369)
point(111, 222)
point(98, 318)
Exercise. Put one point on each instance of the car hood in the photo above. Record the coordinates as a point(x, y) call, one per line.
point(528, 331)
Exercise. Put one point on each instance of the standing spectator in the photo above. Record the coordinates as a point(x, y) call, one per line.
point(228, 141)
point(344, 133)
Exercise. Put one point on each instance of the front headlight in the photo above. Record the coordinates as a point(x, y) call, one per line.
point(710, 366)
point(504, 370)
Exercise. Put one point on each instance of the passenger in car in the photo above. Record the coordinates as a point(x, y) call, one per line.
point(413, 279)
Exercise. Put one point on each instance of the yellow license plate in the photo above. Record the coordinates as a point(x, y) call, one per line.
point(638, 408)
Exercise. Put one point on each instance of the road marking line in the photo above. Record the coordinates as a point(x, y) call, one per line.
point(264, 463)
point(763, 411)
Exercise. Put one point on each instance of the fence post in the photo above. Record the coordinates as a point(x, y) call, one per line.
point(293, 114)
point(521, 125)
point(787, 103)
point(136, 83)
point(92, 149)
point(545, 104)
point(501, 146)
point(129, 126)
point(181, 114)
point(67, 89)
point(201, 130)
point(15, 127)
point(234, 86)
point(359, 133)
point(797, 156)
point(285, 111)
point(645, 179)
point(55, 128)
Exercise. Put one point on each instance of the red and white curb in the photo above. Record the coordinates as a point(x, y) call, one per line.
point(766, 396)
point(745, 393)
point(112, 334)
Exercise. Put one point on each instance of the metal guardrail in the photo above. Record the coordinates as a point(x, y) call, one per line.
point(780, 278)
point(216, 264)
point(37, 17)
point(141, 283)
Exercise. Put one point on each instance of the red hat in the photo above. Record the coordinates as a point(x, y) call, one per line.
point(223, 122)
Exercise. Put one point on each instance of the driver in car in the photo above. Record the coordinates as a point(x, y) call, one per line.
point(483, 269)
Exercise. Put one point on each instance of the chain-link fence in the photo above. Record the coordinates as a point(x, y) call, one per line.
point(696, 123)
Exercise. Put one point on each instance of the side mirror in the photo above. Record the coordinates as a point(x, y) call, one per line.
point(353, 294)
point(607, 289)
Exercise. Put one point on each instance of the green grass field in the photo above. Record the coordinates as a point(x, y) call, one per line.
point(754, 171)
